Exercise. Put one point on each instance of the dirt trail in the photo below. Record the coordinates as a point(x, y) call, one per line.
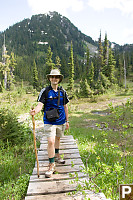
point(101, 105)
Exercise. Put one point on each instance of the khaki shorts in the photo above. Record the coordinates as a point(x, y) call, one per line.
point(54, 130)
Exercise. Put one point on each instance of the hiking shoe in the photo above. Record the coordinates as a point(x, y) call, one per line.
point(51, 170)
point(59, 160)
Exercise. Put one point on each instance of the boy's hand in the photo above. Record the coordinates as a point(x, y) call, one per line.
point(67, 125)
point(32, 112)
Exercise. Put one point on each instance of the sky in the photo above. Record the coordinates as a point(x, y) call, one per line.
point(114, 17)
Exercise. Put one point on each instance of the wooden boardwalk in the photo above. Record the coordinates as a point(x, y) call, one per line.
point(56, 187)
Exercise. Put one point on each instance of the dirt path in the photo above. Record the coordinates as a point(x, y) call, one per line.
point(101, 105)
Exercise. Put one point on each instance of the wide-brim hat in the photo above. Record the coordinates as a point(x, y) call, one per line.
point(55, 72)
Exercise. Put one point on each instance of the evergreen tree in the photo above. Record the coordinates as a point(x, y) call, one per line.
point(99, 86)
point(87, 63)
point(4, 69)
point(49, 63)
point(105, 55)
point(91, 75)
point(71, 71)
point(57, 62)
point(100, 57)
point(105, 81)
point(35, 76)
point(78, 68)
point(111, 67)
point(12, 65)
point(95, 63)
point(85, 90)
point(64, 68)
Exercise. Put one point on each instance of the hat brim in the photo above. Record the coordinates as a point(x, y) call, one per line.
point(61, 77)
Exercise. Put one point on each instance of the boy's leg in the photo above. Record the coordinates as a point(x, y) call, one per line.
point(51, 155)
point(57, 142)
point(59, 133)
point(51, 147)
point(50, 133)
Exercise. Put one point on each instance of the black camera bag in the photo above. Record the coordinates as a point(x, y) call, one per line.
point(52, 114)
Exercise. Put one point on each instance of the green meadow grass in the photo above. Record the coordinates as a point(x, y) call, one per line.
point(99, 143)
point(106, 154)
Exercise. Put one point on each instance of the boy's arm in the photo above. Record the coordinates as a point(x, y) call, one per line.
point(37, 109)
point(66, 113)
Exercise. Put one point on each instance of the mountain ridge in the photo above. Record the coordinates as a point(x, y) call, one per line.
point(45, 29)
point(30, 38)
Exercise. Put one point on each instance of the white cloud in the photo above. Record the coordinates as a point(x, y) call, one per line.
point(44, 6)
point(126, 6)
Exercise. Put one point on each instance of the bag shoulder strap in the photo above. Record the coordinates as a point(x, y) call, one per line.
point(61, 88)
point(48, 88)
point(58, 98)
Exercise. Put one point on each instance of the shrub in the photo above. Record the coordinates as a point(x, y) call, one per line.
point(11, 129)
point(105, 81)
point(85, 90)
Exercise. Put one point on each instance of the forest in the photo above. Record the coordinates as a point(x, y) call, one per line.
point(46, 40)
point(98, 77)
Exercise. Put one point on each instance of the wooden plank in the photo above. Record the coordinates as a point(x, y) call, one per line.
point(34, 178)
point(49, 187)
point(64, 137)
point(60, 169)
point(62, 151)
point(76, 161)
point(60, 186)
point(61, 196)
point(63, 141)
point(68, 137)
point(62, 146)
point(66, 156)
point(64, 196)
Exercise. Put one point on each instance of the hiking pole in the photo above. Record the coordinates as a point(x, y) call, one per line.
point(33, 121)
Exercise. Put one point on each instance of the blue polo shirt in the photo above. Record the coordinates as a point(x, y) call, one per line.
point(51, 101)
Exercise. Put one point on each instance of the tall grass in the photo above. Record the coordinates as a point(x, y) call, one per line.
point(17, 157)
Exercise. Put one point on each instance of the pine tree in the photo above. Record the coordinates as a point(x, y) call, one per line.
point(91, 75)
point(64, 67)
point(111, 67)
point(35, 76)
point(105, 55)
point(100, 56)
point(4, 69)
point(78, 68)
point(85, 90)
point(12, 65)
point(71, 71)
point(57, 62)
point(49, 63)
point(87, 63)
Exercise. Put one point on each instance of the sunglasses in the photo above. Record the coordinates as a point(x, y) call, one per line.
point(57, 77)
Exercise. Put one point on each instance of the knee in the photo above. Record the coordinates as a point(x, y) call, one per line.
point(57, 138)
point(51, 142)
